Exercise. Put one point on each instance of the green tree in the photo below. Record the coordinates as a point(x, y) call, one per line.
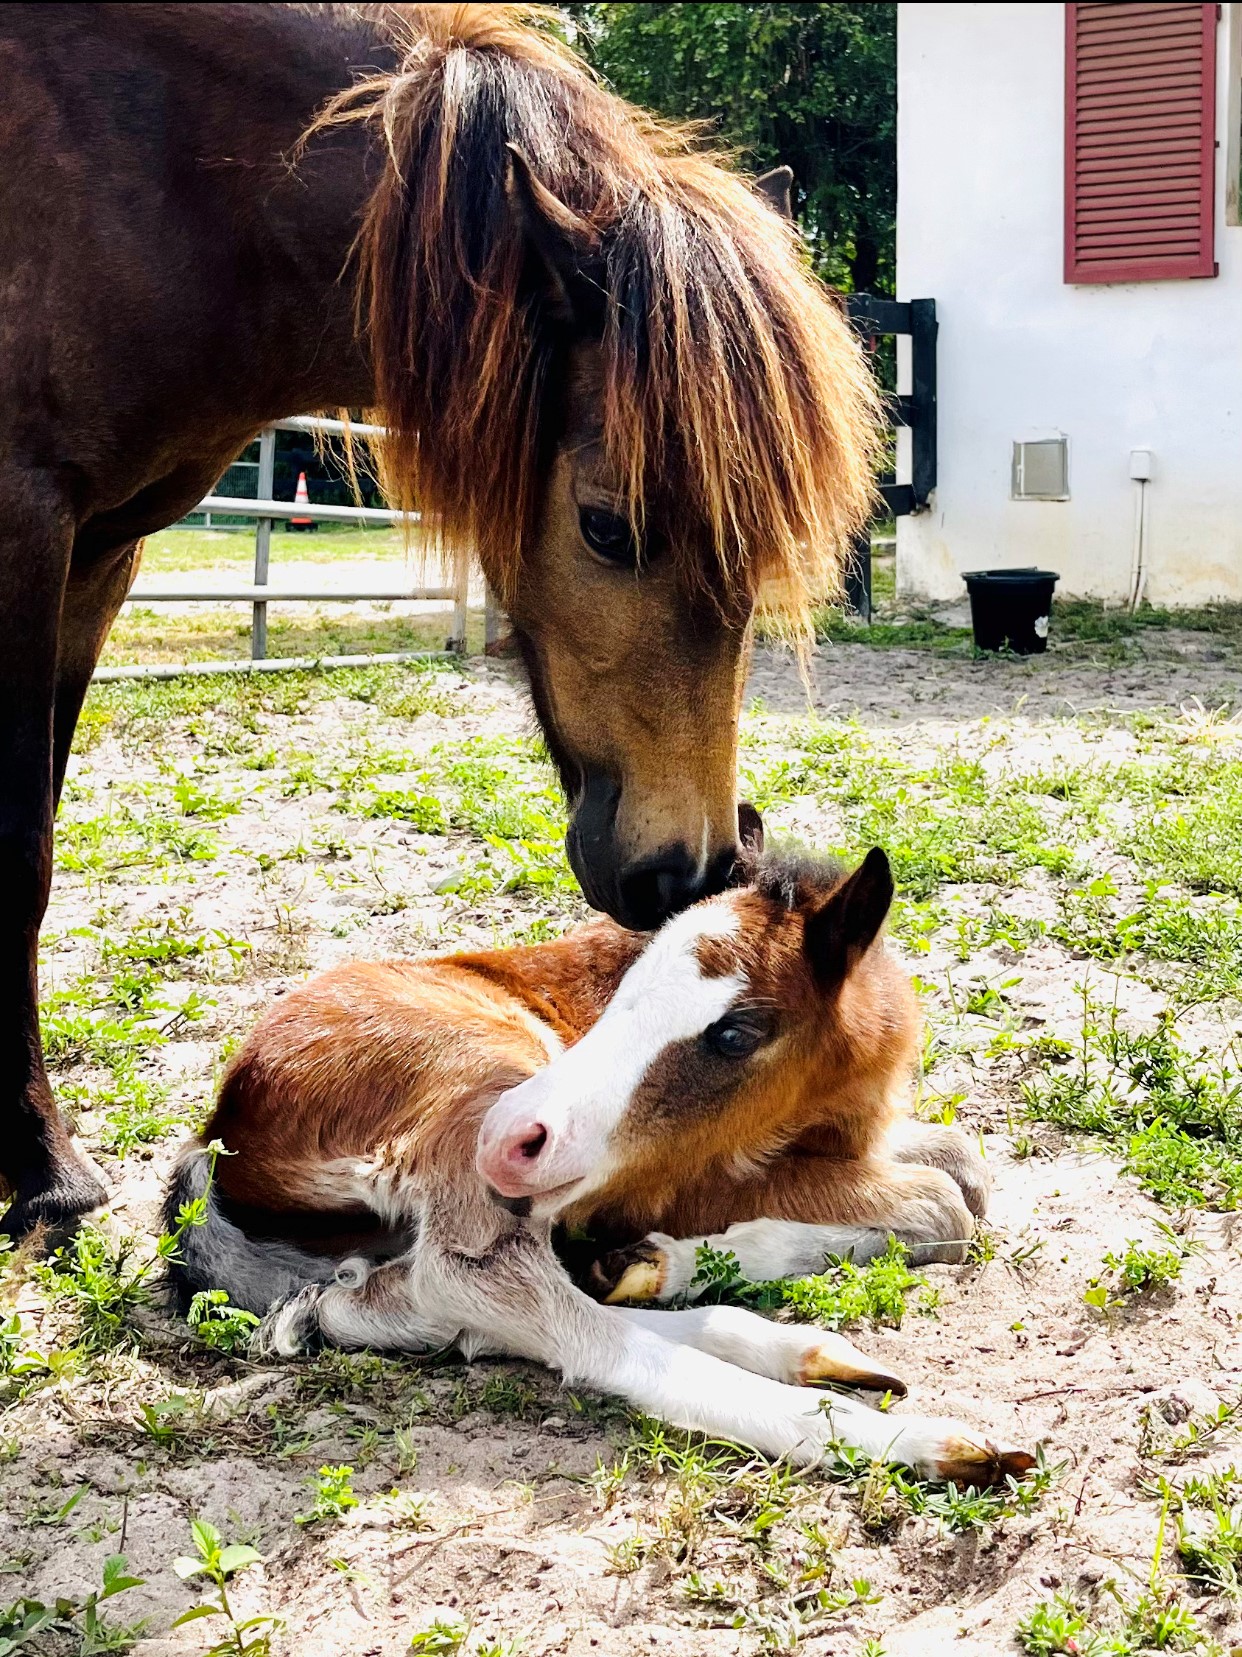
point(812, 86)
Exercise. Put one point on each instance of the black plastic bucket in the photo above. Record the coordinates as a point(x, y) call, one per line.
point(1011, 606)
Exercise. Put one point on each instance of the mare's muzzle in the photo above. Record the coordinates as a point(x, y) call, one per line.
point(643, 892)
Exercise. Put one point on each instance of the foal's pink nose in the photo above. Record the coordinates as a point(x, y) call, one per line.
point(512, 1157)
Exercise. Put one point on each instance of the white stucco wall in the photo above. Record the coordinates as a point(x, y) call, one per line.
point(1152, 365)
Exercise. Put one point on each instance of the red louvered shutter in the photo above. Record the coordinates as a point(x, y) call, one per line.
point(1140, 134)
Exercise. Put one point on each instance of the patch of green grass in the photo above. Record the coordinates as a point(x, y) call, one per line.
point(1196, 1436)
point(170, 944)
point(167, 1421)
point(422, 811)
point(1173, 1115)
point(503, 1393)
point(1092, 622)
point(1060, 1628)
point(1196, 841)
point(841, 1295)
point(135, 831)
point(838, 627)
point(956, 820)
point(1203, 934)
point(109, 1020)
point(145, 708)
point(26, 1620)
point(150, 634)
point(101, 1282)
point(193, 548)
point(136, 1112)
point(888, 1494)
point(1077, 625)
point(1210, 1546)
point(1154, 1619)
point(96, 1277)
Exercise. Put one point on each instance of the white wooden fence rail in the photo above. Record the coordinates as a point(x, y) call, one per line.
point(260, 593)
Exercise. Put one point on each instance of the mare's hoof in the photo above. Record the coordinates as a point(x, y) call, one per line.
point(634, 1273)
point(56, 1207)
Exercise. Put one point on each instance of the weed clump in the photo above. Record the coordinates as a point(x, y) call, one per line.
point(840, 1295)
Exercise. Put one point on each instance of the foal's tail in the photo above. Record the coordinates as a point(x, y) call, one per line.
point(255, 1272)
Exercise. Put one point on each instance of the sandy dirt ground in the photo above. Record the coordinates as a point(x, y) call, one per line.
point(493, 1505)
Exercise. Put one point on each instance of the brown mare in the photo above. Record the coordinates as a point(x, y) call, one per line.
point(601, 360)
point(404, 1136)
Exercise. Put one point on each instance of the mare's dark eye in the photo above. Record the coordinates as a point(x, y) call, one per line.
point(608, 535)
point(737, 1035)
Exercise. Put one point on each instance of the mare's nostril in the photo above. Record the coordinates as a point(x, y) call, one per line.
point(658, 887)
point(530, 1147)
point(670, 892)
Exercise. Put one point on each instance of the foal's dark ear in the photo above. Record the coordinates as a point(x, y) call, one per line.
point(563, 245)
point(749, 828)
point(777, 186)
point(845, 926)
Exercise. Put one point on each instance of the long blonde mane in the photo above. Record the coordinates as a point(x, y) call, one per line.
point(738, 406)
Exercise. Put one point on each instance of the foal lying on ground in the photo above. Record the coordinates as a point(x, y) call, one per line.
point(731, 1078)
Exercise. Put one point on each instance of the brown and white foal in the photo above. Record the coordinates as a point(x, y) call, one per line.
point(405, 1136)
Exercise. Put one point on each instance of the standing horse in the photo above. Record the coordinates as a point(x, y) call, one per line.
point(734, 1079)
point(603, 366)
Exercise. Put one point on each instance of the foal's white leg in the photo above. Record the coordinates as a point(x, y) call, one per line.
point(800, 1354)
point(517, 1299)
point(663, 1267)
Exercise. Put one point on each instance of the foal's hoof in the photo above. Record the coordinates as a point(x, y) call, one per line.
point(967, 1459)
point(831, 1358)
point(290, 1329)
point(56, 1207)
point(634, 1273)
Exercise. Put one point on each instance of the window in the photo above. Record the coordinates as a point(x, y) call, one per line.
point(1140, 132)
point(1040, 470)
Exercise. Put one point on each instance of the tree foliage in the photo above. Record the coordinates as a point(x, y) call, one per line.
point(813, 86)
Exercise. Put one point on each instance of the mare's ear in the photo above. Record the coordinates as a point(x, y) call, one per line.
point(845, 926)
point(749, 828)
point(563, 246)
point(777, 186)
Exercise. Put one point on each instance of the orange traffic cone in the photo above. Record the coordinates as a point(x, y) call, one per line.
point(301, 497)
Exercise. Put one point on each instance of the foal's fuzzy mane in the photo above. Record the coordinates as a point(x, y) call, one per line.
point(792, 876)
point(738, 407)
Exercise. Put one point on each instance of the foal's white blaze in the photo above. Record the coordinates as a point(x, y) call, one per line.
point(580, 1098)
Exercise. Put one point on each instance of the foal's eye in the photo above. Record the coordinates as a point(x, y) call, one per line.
point(737, 1035)
point(608, 535)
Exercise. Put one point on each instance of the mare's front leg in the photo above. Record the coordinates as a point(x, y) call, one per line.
point(49, 1182)
point(94, 594)
point(517, 1300)
point(825, 1207)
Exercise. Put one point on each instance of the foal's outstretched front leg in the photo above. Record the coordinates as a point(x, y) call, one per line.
point(799, 1353)
point(848, 1209)
point(517, 1300)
